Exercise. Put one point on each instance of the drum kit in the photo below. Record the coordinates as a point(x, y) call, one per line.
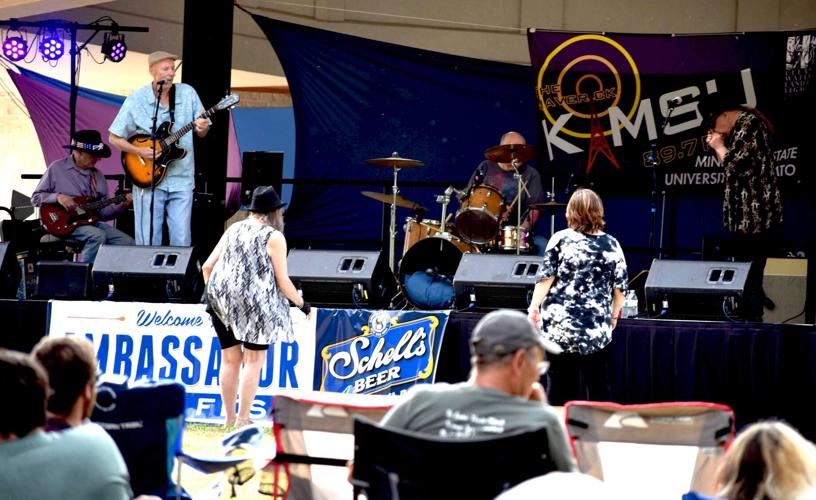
point(435, 245)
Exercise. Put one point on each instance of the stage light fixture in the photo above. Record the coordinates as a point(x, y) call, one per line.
point(114, 47)
point(51, 46)
point(15, 48)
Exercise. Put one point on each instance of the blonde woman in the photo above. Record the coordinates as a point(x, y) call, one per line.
point(578, 299)
point(769, 461)
point(249, 289)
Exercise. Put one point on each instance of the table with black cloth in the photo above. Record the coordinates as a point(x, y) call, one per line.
point(759, 370)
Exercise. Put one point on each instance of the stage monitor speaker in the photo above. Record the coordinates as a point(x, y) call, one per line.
point(147, 273)
point(62, 280)
point(495, 281)
point(260, 168)
point(785, 283)
point(342, 278)
point(9, 271)
point(695, 289)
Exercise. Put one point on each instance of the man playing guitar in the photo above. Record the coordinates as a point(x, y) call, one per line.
point(69, 183)
point(178, 104)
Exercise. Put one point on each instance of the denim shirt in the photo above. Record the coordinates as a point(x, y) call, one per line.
point(136, 117)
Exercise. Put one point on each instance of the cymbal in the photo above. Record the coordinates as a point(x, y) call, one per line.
point(394, 161)
point(548, 204)
point(506, 153)
point(389, 198)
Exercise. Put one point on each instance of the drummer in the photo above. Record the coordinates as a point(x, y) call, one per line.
point(500, 176)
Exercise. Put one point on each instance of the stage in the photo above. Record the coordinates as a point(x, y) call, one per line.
point(760, 370)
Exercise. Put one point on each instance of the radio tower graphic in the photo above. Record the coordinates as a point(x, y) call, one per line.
point(597, 140)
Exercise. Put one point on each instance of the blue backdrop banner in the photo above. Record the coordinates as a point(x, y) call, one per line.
point(376, 352)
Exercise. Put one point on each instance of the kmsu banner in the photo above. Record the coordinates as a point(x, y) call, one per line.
point(376, 352)
point(177, 342)
point(623, 112)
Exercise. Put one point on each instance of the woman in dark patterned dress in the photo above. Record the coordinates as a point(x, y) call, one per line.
point(752, 205)
point(249, 289)
point(577, 300)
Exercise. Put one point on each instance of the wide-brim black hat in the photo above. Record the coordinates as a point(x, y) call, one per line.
point(713, 105)
point(264, 200)
point(89, 141)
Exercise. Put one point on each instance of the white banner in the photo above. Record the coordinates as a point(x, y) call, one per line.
point(140, 340)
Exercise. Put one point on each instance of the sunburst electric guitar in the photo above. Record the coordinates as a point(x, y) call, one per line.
point(140, 170)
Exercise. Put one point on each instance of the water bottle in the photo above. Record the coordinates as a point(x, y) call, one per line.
point(630, 305)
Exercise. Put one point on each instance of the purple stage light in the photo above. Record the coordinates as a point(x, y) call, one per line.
point(15, 48)
point(114, 47)
point(51, 47)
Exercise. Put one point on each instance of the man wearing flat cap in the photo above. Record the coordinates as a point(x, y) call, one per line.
point(179, 104)
point(503, 395)
point(75, 176)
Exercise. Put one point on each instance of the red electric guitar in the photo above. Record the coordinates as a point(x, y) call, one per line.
point(61, 222)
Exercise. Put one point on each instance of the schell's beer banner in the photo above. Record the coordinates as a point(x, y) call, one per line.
point(377, 352)
point(616, 109)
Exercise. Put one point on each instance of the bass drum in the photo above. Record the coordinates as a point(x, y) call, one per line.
point(426, 273)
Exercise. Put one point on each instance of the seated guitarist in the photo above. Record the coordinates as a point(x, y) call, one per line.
point(75, 176)
point(178, 104)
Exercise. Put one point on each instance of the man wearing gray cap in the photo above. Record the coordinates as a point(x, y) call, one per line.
point(179, 104)
point(502, 396)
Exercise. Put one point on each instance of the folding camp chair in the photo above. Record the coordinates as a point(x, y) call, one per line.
point(314, 441)
point(146, 420)
point(392, 464)
point(659, 450)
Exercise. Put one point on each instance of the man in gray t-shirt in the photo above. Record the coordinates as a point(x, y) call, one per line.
point(502, 396)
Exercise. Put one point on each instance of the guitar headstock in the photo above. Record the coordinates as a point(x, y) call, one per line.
point(228, 101)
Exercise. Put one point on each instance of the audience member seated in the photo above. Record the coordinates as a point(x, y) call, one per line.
point(78, 463)
point(769, 461)
point(502, 396)
point(70, 363)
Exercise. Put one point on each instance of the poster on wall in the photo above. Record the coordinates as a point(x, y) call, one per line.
point(136, 341)
point(624, 113)
point(376, 352)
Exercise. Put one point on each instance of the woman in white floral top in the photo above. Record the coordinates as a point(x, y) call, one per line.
point(578, 298)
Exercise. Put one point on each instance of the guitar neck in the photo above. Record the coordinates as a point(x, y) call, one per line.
point(178, 134)
point(96, 205)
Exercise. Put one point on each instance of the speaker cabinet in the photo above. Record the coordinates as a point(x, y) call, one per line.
point(147, 273)
point(9, 271)
point(695, 289)
point(62, 280)
point(341, 278)
point(494, 281)
point(785, 283)
point(260, 168)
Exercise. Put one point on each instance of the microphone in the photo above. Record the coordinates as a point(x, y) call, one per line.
point(480, 175)
point(568, 189)
point(515, 162)
point(161, 82)
point(675, 101)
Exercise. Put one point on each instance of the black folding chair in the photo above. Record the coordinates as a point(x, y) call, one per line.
point(393, 464)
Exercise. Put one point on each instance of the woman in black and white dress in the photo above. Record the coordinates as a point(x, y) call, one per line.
point(249, 289)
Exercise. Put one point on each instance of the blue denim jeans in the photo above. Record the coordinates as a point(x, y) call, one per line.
point(177, 205)
point(94, 235)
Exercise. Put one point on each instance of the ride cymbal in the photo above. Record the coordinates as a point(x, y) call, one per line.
point(394, 161)
point(548, 204)
point(506, 153)
point(389, 198)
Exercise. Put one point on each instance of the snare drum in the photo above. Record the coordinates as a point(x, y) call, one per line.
point(509, 237)
point(478, 218)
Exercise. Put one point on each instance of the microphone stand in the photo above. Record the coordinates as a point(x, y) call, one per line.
point(153, 164)
point(521, 188)
point(651, 162)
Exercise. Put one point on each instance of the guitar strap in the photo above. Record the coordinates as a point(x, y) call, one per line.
point(172, 99)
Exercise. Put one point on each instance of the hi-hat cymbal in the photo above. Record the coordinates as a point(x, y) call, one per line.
point(506, 153)
point(389, 198)
point(394, 161)
point(548, 204)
